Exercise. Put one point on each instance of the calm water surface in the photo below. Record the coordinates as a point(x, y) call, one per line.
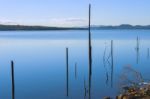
point(40, 62)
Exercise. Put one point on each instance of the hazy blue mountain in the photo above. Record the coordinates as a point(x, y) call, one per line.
point(123, 26)
point(22, 27)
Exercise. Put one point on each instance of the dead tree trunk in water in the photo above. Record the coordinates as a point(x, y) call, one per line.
point(13, 80)
point(90, 52)
point(67, 73)
point(75, 70)
point(148, 53)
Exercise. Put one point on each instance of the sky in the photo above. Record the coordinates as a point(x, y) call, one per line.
point(68, 13)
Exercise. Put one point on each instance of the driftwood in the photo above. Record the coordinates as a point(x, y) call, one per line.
point(136, 88)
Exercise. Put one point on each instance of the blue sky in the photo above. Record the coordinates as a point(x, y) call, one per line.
point(74, 12)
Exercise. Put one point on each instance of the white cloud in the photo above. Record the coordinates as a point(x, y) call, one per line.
point(69, 22)
point(60, 22)
point(7, 21)
point(76, 20)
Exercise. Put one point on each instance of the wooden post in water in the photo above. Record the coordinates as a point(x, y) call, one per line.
point(112, 63)
point(75, 70)
point(67, 73)
point(148, 53)
point(90, 53)
point(13, 80)
point(90, 46)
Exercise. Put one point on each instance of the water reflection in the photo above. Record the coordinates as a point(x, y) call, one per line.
point(137, 49)
point(112, 63)
point(85, 89)
point(67, 73)
point(108, 61)
point(130, 77)
point(147, 53)
point(50, 78)
point(75, 71)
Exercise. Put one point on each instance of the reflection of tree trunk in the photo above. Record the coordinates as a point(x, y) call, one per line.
point(109, 61)
point(67, 73)
point(85, 90)
point(75, 70)
point(104, 62)
point(13, 80)
point(137, 50)
point(89, 86)
point(130, 76)
point(148, 53)
point(112, 63)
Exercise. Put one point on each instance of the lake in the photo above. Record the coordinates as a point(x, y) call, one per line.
point(40, 63)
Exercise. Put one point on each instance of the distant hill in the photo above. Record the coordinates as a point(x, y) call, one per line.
point(22, 27)
point(123, 26)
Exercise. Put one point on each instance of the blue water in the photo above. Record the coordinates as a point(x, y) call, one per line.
point(40, 62)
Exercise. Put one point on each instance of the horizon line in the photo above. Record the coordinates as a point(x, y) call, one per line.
point(83, 26)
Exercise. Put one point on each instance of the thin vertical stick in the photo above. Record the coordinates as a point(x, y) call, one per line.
point(137, 50)
point(12, 79)
point(75, 70)
point(112, 63)
point(148, 53)
point(90, 46)
point(67, 72)
point(84, 89)
point(90, 52)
